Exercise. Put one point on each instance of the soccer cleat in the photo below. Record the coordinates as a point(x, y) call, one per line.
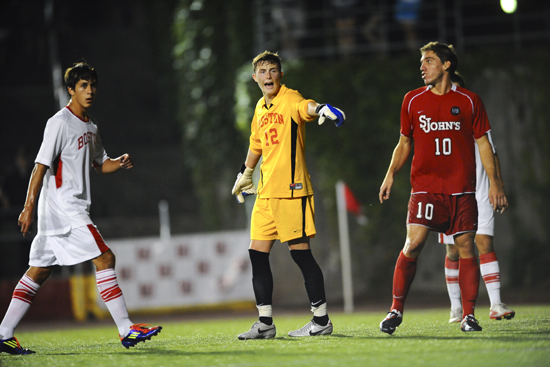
point(313, 329)
point(391, 322)
point(500, 310)
point(456, 315)
point(139, 333)
point(259, 330)
point(470, 324)
point(12, 346)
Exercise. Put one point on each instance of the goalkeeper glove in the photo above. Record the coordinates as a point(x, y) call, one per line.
point(332, 113)
point(244, 185)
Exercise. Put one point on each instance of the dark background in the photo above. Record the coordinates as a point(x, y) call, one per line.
point(168, 77)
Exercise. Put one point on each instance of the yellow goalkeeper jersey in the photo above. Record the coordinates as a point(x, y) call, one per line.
point(278, 134)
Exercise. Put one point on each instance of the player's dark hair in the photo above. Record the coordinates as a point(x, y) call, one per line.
point(444, 52)
point(457, 79)
point(79, 71)
point(266, 57)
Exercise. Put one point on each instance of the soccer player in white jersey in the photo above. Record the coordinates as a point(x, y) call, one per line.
point(66, 235)
point(489, 267)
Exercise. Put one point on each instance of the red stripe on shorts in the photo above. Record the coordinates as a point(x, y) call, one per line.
point(98, 239)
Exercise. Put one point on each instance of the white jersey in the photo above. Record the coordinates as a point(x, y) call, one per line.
point(485, 216)
point(70, 147)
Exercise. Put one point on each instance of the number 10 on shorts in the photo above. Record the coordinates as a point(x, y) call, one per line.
point(427, 213)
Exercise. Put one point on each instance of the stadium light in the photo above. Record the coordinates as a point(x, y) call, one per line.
point(509, 6)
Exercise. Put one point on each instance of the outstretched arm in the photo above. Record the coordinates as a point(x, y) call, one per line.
point(311, 106)
point(497, 196)
point(27, 215)
point(325, 111)
point(398, 159)
point(112, 165)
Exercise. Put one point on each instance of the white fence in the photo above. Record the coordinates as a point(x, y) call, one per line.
point(184, 271)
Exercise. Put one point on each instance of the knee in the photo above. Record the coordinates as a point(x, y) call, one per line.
point(484, 244)
point(412, 248)
point(307, 264)
point(465, 245)
point(452, 252)
point(107, 260)
point(39, 275)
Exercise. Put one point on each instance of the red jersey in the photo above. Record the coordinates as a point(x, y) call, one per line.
point(443, 129)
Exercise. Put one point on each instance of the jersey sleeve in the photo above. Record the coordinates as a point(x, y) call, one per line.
point(255, 141)
point(302, 107)
point(100, 155)
point(55, 136)
point(480, 120)
point(406, 121)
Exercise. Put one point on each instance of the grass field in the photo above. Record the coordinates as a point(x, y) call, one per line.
point(424, 339)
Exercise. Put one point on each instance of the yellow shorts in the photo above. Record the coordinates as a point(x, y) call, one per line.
point(283, 219)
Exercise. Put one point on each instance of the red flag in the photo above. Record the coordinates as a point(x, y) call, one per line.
point(353, 206)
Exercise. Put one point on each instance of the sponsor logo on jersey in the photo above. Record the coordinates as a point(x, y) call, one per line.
point(271, 118)
point(455, 110)
point(428, 125)
point(296, 186)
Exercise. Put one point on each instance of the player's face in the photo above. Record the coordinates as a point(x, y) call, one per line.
point(432, 68)
point(84, 93)
point(268, 76)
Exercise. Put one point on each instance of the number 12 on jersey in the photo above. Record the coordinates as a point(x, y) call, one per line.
point(271, 135)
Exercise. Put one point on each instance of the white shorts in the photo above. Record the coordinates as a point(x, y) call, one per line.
point(78, 245)
point(485, 216)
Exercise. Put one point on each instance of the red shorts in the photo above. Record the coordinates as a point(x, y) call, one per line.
point(449, 214)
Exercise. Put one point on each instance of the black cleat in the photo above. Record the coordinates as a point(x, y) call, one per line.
point(391, 322)
point(12, 346)
point(469, 323)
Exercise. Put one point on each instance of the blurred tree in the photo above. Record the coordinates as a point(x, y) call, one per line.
point(213, 40)
point(217, 97)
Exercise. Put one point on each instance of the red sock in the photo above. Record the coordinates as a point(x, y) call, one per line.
point(468, 279)
point(403, 276)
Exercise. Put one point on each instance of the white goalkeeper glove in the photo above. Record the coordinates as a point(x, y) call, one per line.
point(330, 112)
point(244, 185)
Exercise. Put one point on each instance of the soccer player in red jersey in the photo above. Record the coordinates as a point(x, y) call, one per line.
point(443, 121)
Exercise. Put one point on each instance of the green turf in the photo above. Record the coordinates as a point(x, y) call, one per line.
point(424, 339)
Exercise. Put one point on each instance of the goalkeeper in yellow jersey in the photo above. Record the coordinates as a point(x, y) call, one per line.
point(284, 207)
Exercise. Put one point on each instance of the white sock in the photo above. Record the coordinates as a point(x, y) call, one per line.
point(491, 276)
point(114, 300)
point(451, 277)
point(21, 301)
point(319, 311)
point(265, 310)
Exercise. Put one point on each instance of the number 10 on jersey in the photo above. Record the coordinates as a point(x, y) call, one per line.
point(443, 146)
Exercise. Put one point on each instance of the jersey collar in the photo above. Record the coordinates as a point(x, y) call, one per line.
point(69, 108)
point(282, 91)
